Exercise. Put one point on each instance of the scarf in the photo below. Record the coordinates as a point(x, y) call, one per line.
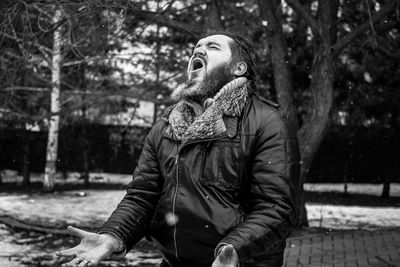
point(189, 121)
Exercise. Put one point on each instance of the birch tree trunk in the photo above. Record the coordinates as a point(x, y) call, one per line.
point(52, 140)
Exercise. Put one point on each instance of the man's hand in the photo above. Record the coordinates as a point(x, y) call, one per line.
point(92, 249)
point(226, 258)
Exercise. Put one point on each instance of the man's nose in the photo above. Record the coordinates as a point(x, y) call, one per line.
point(199, 51)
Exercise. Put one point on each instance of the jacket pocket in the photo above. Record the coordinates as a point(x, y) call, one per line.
point(221, 164)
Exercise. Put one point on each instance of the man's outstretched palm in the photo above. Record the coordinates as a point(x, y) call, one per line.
point(226, 258)
point(92, 249)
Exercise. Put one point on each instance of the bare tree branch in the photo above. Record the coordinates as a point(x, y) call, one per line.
point(25, 88)
point(345, 40)
point(163, 20)
point(18, 41)
point(40, 47)
point(303, 12)
point(42, 11)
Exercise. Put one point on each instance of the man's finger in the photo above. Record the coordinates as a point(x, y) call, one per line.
point(67, 253)
point(77, 232)
point(93, 262)
point(97, 255)
point(227, 252)
point(74, 262)
point(84, 263)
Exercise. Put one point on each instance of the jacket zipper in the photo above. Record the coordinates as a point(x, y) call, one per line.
point(174, 199)
point(178, 149)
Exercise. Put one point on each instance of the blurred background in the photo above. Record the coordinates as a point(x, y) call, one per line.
point(82, 82)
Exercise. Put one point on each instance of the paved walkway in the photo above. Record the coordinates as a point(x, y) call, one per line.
point(348, 248)
point(353, 248)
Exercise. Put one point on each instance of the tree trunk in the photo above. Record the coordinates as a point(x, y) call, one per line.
point(52, 140)
point(25, 159)
point(386, 187)
point(84, 141)
point(85, 150)
point(345, 177)
point(316, 122)
point(1, 155)
point(86, 162)
point(347, 163)
point(271, 14)
point(213, 20)
point(387, 174)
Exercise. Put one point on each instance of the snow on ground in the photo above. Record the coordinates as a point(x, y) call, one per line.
point(365, 188)
point(88, 208)
point(12, 176)
point(352, 217)
point(92, 209)
point(368, 189)
point(39, 250)
point(9, 250)
point(94, 206)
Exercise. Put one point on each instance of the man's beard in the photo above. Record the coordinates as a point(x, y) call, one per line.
point(208, 87)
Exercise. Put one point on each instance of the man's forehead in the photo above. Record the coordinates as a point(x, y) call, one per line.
point(216, 38)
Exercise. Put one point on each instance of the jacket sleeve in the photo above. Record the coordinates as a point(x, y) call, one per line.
point(129, 220)
point(270, 197)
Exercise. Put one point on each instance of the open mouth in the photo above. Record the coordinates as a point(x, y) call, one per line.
point(197, 64)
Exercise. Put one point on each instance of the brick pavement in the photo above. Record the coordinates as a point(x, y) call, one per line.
point(356, 248)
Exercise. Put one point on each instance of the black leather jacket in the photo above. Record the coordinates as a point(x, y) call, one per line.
point(234, 189)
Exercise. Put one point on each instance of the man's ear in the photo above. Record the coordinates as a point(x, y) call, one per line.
point(240, 68)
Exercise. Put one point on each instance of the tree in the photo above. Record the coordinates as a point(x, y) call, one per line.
point(36, 40)
point(52, 141)
point(301, 46)
point(323, 26)
point(272, 20)
point(93, 37)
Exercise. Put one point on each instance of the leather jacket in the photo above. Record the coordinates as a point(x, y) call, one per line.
point(234, 189)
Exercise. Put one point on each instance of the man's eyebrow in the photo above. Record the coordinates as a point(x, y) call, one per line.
point(213, 43)
point(208, 44)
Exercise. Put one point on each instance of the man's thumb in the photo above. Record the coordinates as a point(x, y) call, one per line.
point(227, 252)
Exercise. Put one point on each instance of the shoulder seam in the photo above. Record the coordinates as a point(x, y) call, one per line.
point(267, 101)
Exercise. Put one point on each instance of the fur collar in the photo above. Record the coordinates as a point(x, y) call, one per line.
point(189, 121)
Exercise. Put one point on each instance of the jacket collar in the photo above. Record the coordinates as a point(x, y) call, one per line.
point(186, 124)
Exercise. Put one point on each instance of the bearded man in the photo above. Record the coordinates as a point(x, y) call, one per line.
point(213, 183)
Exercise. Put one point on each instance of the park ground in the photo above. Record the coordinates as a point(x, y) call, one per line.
point(32, 224)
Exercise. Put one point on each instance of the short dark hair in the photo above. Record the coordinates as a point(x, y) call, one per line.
point(242, 48)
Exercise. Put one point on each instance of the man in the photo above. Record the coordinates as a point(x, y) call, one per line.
point(213, 183)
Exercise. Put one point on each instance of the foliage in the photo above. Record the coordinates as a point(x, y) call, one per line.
point(141, 48)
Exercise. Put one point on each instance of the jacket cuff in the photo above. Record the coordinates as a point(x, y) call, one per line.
point(218, 249)
point(121, 251)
